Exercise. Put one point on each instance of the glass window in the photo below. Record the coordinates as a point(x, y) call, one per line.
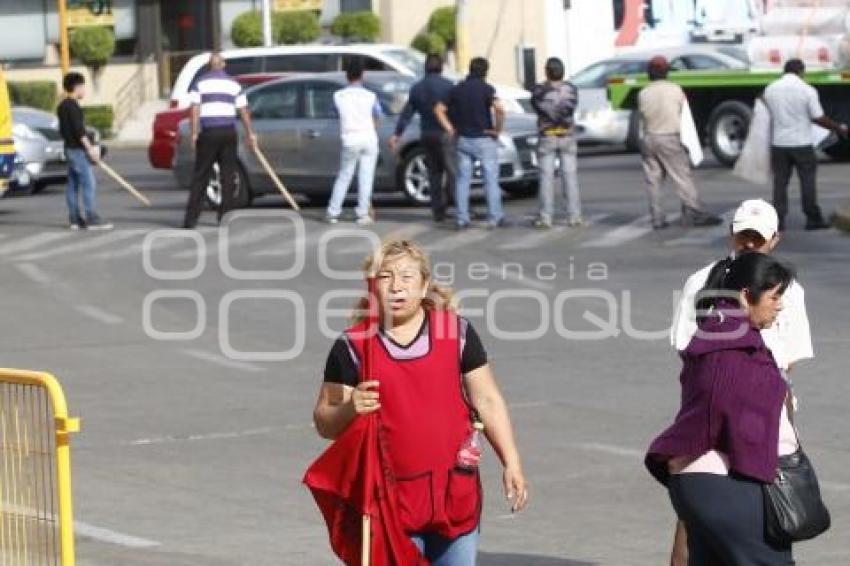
point(704, 62)
point(275, 102)
point(242, 65)
point(392, 94)
point(369, 63)
point(595, 76)
point(736, 53)
point(319, 101)
point(678, 64)
point(407, 59)
point(302, 63)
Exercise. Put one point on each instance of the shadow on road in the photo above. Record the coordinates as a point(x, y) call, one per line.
point(507, 559)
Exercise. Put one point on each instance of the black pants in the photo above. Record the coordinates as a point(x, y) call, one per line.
point(440, 157)
point(214, 145)
point(724, 516)
point(783, 160)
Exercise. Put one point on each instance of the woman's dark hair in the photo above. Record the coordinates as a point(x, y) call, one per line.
point(72, 80)
point(433, 63)
point(756, 272)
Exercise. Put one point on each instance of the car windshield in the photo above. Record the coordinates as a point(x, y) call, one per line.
point(392, 93)
point(407, 58)
point(736, 53)
point(596, 76)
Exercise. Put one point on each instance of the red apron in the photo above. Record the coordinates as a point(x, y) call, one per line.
point(423, 421)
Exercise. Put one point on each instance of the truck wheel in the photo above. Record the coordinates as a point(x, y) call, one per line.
point(727, 130)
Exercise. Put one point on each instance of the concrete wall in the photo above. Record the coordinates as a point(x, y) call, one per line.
point(401, 22)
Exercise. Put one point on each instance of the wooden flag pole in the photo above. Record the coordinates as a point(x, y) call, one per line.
point(124, 183)
point(275, 179)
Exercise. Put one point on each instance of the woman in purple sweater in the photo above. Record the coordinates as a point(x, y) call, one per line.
point(732, 425)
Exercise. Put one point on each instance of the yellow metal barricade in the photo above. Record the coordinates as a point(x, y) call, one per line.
point(36, 516)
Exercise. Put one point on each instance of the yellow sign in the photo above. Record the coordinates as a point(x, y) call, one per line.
point(83, 13)
point(294, 5)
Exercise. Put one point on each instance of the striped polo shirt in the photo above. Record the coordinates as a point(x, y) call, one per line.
point(219, 96)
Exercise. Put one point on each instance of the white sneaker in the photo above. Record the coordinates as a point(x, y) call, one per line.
point(365, 221)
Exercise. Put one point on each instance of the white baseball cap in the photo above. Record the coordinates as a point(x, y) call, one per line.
point(758, 215)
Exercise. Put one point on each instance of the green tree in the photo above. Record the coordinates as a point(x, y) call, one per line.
point(93, 46)
point(247, 29)
point(295, 27)
point(429, 43)
point(357, 26)
point(442, 23)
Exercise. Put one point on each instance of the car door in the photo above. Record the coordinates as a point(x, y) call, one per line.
point(276, 115)
point(320, 141)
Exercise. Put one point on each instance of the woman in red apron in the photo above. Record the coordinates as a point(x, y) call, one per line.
point(433, 389)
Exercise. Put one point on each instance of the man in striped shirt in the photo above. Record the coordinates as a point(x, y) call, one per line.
point(216, 100)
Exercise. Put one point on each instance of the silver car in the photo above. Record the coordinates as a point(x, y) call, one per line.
point(598, 123)
point(298, 129)
point(40, 148)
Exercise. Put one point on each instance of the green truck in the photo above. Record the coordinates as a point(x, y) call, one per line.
point(722, 103)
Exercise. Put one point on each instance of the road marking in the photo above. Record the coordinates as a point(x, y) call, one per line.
point(86, 530)
point(310, 240)
point(537, 239)
point(632, 231)
point(30, 242)
point(197, 437)
point(406, 232)
point(252, 236)
point(464, 238)
point(222, 360)
point(500, 272)
point(158, 244)
point(612, 449)
point(705, 236)
point(99, 314)
point(35, 273)
point(84, 245)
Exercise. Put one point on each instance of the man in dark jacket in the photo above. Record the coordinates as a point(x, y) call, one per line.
point(439, 149)
point(555, 102)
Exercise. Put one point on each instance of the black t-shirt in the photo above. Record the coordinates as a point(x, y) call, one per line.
point(342, 365)
point(72, 124)
point(470, 105)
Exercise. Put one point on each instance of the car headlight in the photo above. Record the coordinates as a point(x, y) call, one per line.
point(25, 132)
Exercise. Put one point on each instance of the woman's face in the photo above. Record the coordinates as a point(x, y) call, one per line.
point(763, 314)
point(401, 288)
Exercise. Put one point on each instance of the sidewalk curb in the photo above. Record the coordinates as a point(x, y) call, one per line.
point(841, 217)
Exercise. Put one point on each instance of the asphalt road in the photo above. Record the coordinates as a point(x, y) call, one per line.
point(193, 447)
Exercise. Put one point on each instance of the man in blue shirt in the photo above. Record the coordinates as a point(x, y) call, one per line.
point(474, 114)
point(439, 148)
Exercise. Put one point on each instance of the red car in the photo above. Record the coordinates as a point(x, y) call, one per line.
point(165, 124)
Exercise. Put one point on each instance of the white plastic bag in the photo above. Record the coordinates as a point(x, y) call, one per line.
point(753, 164)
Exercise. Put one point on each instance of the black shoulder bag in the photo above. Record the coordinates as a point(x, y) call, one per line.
point(793, 508)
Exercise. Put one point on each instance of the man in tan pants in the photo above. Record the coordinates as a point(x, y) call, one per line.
point(660, 105)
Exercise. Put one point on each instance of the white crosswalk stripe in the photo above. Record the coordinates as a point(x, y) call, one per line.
point(536, 239)
point(408, 231)
point(705, 236)
point(632, 231)
point(86, 243)
point(158, 244)
point(285, 249)
point(248, 237)
point(464, 238)
point(30, 242)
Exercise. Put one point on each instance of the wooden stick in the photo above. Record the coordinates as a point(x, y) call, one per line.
point(124, 183)
point(265, 163)
point(366, 550)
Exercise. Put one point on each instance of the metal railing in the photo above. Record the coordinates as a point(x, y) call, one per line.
point(36, 514)
point(129, 97)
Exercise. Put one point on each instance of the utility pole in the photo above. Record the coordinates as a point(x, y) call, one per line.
point(462, 35)
point(64, 49)
point(267, 23)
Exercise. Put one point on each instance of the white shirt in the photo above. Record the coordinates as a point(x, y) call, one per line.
point(793, 106)
point(358, 109)
point(789, 338)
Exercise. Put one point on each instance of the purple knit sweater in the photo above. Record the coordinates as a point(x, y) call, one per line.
point(732, 397)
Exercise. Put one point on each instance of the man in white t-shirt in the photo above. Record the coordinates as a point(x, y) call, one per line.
point(359, 112)
point(755, 228)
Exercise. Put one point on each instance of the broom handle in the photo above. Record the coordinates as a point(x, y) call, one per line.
point(275, 179)
point(124, 183)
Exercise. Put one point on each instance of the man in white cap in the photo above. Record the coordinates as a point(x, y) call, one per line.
point(754, 228)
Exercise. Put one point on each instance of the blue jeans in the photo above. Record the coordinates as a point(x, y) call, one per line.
point(567, 186)
point(362, 156)
point(439, 551)
point(80, 179)
point(486, 150)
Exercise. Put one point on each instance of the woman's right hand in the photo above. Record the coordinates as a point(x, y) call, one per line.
point(365, 398)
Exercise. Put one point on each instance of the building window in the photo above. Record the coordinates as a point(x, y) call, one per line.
point(354, 5)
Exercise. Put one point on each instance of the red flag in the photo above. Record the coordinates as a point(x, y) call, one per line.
point(349, 481)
